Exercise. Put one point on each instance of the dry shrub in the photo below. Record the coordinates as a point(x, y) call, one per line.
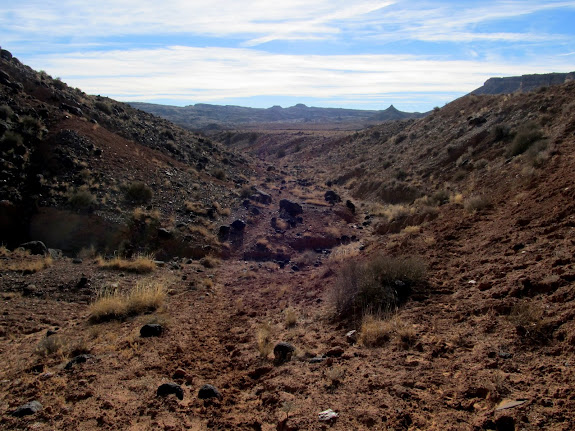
point(81, 199)
point(210, 262)
point(477, 203)
point(378, 285)
point(146, 296)
point(526, 136)
point(530, 322)
point(21, 261)
point(140, 264)
point(290, 317)
point(378, 331)
point(138, 192)
point(264, 340)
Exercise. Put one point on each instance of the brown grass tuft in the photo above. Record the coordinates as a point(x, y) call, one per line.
point(141, 264)
point(21, 261)
point(112, 304)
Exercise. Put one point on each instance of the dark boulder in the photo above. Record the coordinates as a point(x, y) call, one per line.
point(332, 197)
point(290, 208)
point(283, 352)
point(208, 391)
point(80, 359)
point(5, 54)
point(35, 247)
point(261, 197)
point(27, 409)
point(151, 330)
point(239, 225)
point(170, 388)
point(350, 205)
point(224, 233)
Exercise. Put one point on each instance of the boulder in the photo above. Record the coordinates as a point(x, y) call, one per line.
point(35, 247)
point(224, 233)
point(350, 205)
point(332, 197)
point(151, 330)
point(207, 392)
point(170, 388)
point(239, 225)
point(27, 409)
point(291, 208)
point(261, 197)
point(5, 54)
point(283, 352)
point(80, 359)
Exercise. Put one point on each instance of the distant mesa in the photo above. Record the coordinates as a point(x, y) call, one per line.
point(523, 84)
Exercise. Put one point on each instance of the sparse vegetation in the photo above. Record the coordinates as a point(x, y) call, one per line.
point(138, 193)
point(290, 317)
point(526, 136)
point(21, 261)
point(140, 264)
point(6, 112)
point(376, 331)
point(81, 199)
point(106, 108)
point(376, 286)
point(264, 340)
point(477, 203)
point(111, 303)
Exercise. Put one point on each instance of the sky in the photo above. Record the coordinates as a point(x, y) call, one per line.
point(362, 54)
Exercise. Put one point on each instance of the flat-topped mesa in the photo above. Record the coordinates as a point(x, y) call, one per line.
point(523, 84)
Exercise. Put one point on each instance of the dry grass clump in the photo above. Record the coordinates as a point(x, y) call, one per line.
point(526, 136)
point(377, 285)
point(59, 345)
point(21, 261)
point(140, 264)
point(210, 262)
point(477, 203)
point(290, 317)
point(111, 304)
point(377, 331)
point(530, 322)
point(138, 192)
point(264, 340)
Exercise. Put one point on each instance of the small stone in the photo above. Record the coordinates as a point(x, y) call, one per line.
point(170, 388)
point(317, 360)
point(180, 374)
point(27, 409)
point(351, 337)
point(283, 352)
point(328, 416)
point(151, 330)
point(207, 392)
point(335, 352)
point(80, 359)
point(77, 261)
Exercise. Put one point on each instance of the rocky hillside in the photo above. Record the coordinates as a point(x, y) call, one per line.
point(523, 84)
point(75, 168)
point(211, 118)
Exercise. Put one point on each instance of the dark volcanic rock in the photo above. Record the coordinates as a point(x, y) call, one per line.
point(27, 409)
point(35, 247)
point(151, 330)
point(261, 197)
point(170, 388)
point(283, 352)
point(208, 391)
point(291, 208)
point(332, 197)
point(239, 225)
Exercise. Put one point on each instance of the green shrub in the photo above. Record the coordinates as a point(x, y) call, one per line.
point(526, 136)
point(81, 199)
point(6, 112)
point(138, 193)
point(31, 125)
point(104, 107)
point(376, 286)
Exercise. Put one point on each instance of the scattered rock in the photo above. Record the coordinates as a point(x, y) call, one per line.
point(336, 352)
point(328, 416)
point(77, 261)
point(35, 247)
point(164, 233)
point(207, 392)
point(509, 404)
point(351, 337)
point(80, 359)
point(224, 233)
point(166, 389)
point(180, 374)
point(317, 360)
point(283, 352)
point(27, 409)
point(350, 205)
point(151, 330)
point(261, 197)
point(258, 372)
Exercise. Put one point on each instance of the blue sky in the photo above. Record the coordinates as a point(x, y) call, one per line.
point(334, 53)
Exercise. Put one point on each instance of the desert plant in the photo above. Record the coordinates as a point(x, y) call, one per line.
point(138, 193)
point(264, 340)
point(31, 125)
point(477, 203)
point(81, 199)
point(139, 264)
point(526, 136)
point(210, 262)
point(530, 322)
point(110, 304)
point(12, 139)
point(6, 112)
point(104, 107)
point(376, 286)
point(290, 317)
point(378, 330)
point(220, 174)
point(20, 260)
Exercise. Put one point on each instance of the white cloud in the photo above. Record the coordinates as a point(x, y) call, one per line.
point(212, 74)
